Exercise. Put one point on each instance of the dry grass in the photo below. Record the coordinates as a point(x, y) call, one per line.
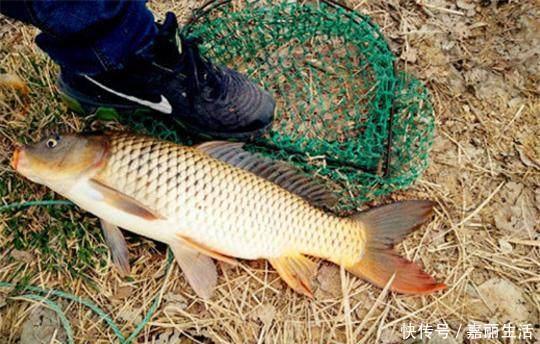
point(482, 67)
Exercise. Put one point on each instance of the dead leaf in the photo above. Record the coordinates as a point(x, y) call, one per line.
point(487, 84)
point(23, 256)
point(171, 297)
point(511, 192)
point(516, 213)
point(505, 246)
point(506, 302)
point(527, 157)
point(515, 219)
point(42, 327)
point(409, 55)
point(171, 337)
point(455, 80)
point(4, 292)
point(3, 296)
point(461, 30)
point(123, 292)
point(13, 81)
point(504, 219)
point(329, 280)
point(265, 313)
point(130, 315)
point(537, 198)
point(465, 5)
point(437, 338)
point(174, 302)
point(390, 336)
point(473, 152)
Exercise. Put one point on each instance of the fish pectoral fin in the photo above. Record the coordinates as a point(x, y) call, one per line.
point(208, 251)
point(117, 245)
point(199, 269)
point(298, 271)
point(122, 201)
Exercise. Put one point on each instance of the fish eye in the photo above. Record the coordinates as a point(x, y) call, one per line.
point(51, 143)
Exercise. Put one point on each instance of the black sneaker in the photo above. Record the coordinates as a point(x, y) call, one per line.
point(176, 81)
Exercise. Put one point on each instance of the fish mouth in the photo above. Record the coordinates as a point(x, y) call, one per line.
point(16, 157)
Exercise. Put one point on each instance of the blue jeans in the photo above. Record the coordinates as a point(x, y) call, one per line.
point(87, 36)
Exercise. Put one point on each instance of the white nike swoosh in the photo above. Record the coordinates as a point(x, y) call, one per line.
point(163, 106)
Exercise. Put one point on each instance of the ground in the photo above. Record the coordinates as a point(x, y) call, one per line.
point(480, 61)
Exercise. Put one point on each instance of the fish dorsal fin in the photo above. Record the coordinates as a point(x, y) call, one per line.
point(117, 199)
point(288, 177)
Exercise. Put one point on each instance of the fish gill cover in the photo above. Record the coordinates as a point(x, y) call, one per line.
point(343, 111)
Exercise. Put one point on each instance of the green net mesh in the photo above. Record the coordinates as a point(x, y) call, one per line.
point(343, 111)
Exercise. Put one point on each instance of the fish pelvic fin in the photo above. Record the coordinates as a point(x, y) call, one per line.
point(117, 245)
point(199, 269)
point(297, 271)
point(386, 226)
point(207, 250)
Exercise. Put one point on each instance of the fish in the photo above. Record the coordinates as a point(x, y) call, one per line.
point(218, 201)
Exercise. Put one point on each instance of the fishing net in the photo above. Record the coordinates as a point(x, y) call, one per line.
point(343, 111)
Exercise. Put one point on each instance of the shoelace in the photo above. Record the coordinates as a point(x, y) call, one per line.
point(202, 72)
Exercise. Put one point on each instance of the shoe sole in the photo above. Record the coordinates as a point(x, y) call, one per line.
point(85, 106)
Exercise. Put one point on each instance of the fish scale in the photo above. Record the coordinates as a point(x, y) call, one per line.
point(219, 204)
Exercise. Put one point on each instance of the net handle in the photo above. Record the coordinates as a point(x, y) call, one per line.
point(390, 122)
point(207, 7)
point(210, 5)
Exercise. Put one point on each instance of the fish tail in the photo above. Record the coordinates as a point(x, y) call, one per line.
point(384, 227)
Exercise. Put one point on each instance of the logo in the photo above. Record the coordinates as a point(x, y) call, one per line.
point(162, 106)
point(178, 42)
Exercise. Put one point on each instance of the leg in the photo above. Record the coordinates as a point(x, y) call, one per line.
point(87, 36)
point(114, 57)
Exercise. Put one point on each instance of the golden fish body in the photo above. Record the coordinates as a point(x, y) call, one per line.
point(185, 197)
point(233, 211)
